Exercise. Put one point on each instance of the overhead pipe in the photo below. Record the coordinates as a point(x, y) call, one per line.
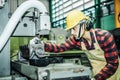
point(13, 21)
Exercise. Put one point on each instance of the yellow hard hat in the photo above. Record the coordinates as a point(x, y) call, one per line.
point(73, 18)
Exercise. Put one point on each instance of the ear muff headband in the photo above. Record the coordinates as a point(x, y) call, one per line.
point(88, 24)
point(80, 26)
point(79, 30)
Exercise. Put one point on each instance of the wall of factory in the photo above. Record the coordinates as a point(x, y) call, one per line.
point(100, 9)
point(108, 22)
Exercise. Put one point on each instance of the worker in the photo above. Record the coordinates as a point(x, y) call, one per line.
point(99, 45)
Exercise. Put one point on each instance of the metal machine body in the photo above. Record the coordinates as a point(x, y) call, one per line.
point(53, 66)
point(15, 18)
point(62, 71)
point(2, 3)
point(5, 53)
point(8, 26)
point(26, 26)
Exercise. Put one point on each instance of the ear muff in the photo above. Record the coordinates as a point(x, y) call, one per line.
point(89, 25)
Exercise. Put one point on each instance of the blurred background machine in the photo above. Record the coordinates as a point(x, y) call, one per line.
point(31, 19)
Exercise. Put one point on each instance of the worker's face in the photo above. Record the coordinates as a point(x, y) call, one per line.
point(75, 31)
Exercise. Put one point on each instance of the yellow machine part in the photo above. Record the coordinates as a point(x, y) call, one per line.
point(117, 13)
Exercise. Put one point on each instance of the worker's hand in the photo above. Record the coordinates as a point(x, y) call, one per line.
point(34, 41)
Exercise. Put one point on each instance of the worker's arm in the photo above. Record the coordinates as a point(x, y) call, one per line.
point(111, 56)
point(67, 45)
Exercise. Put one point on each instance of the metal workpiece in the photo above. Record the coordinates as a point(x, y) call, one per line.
point(36, 47)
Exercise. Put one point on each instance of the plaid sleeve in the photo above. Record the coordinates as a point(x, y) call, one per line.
point(67, 45)
point(111, 55)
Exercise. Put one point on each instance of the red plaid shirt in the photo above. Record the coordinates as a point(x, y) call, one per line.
point(107, 44)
